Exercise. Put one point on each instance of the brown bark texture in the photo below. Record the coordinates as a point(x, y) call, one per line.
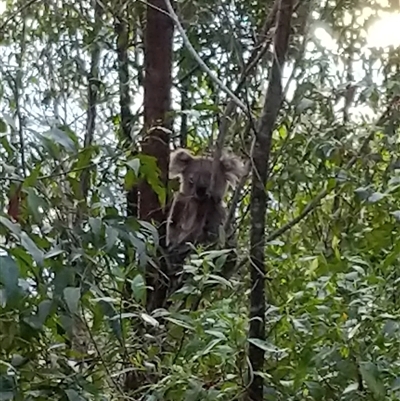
point(157, 103)
point(258, 200)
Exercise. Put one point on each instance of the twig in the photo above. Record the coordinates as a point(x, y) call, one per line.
point(193, 52)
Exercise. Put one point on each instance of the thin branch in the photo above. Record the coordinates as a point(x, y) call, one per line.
point(254, 58)
point(18, 93)
point(202, 64)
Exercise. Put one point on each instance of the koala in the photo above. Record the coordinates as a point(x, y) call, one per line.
point(197, 211)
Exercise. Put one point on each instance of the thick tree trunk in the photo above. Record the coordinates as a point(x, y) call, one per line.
point(258, 200)
point(157, 103)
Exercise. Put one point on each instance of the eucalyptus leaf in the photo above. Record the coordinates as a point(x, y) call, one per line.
point(37, 321)
point(32, 248)
point(370, 375)
point(9, 274)
point(60, 137)
point(376, 197)
point(134, 164)
point(95, 224)
point(3, 126)
point(72, 296)
point(15, 228)
point(111, 237)
point(73, 395)
point(138, 288)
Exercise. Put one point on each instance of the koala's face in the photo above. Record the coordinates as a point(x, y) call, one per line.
point(196, 174)
point(196, 180)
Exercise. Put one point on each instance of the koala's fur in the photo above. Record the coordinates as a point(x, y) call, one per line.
point(197, 211)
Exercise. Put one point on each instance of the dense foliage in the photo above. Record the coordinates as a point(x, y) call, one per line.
point(70, 254)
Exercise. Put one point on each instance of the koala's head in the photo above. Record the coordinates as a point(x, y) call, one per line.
point(195, 174)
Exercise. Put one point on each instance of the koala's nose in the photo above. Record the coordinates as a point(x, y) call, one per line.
point(201, 192)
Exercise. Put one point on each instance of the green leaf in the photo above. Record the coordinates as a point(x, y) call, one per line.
point(396, 215)
point(210, 255)
point(53, 252)
point(134, 164)
point(212, 344)
point(396, 384)
point(34, 203)
point(267, 347)
point(111, 237)
point(3, 126)
point(151, 172)
point(370, 375)
point(376, 197)
point(350, 388)
point(72, 295)
point(353, 331)
point(180, 323)
point(113, 317)
point(129, 180)
point(7, 387)
point(149, 319)
point(139, 288)
point(73, 395)
point(9, 274)
point(31, 247)
point(95, 225)
point(15, 228)
point(214, 279)
point(205, 107)
point(37, 321)
point(363, 193)
point(150, 229)
point(31, 179)
point(215, 333)
point(60, 137)
point(10, 121)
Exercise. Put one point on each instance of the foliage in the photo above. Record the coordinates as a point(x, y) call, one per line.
point(69, 331)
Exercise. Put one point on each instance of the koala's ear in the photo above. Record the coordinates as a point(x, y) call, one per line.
point(180, 158)
point(233, 168)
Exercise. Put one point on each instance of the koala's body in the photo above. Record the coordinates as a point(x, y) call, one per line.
point(197, 211)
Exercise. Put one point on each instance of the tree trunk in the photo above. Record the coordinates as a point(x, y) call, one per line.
point(258, 199)
point(157, 103)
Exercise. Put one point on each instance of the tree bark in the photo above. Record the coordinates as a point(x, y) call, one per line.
point(157, 103)
point(258, 198)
